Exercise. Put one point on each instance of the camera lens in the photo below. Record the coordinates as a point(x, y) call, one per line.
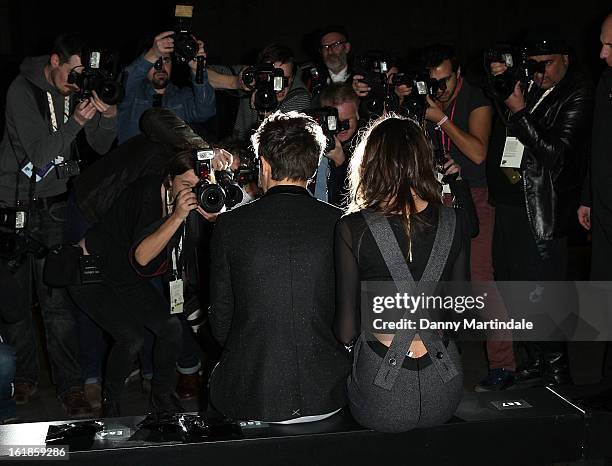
point(211, 197)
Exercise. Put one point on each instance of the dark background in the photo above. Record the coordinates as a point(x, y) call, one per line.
point(233, 29)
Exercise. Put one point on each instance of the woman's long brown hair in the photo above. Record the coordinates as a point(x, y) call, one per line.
point(392, 158)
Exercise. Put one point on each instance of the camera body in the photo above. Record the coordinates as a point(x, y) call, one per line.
point(12, 219)
point(328, 120)
point(265, 80)
point(519, 69)
point(374, 67)
point(185, 45)
point(99, 74)
point(211, 195)
point(67, 169)
point(316, 76)
point(421, 85)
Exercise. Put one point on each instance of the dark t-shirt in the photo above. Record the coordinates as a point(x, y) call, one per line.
point(469, 99)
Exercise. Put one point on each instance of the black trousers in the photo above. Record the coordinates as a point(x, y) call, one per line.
point(127, 313)
point(516, 257)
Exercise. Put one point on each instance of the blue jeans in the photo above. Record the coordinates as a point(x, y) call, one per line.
point(92, 343)
point(7, 377)
point(58, 312)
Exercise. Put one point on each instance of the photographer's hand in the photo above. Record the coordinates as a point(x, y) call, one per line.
point(107, 111)
point(193, 64)
point(337, 153)
point(516, 101)
point(84, 112)
point(212, 218)
point(584, 217)
point(185, 202)
point(163, 44)
point(360, 88)
point(450, 167)
point(497, 68)
point(433, 113)
point(222, 159)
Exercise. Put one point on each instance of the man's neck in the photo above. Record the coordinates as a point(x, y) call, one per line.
point(286, 182)
point(338, 70)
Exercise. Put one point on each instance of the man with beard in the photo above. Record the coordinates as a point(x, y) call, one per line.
point(148, 85)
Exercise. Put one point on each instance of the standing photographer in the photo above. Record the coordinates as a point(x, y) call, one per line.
point(536, 185)
point(42, 124)
point(148, 85)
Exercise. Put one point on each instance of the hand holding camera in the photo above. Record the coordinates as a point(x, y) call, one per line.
point(84, 112)
point(163, 45)
point(184, 203)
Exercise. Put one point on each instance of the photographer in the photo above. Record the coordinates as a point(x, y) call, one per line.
point(293, 96)
point(42, 124)
point(534, 177)
point(148, 85)
point(141, 236)
point(330, 181)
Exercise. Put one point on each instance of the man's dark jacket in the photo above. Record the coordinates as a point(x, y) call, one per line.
point(272, 308)
point(601, 179)
point(556, 136)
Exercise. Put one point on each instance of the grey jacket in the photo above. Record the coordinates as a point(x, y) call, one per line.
point(28, 136)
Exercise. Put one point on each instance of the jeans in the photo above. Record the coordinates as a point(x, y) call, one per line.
point(46, 224)
point(7, 377)
point(92, 344)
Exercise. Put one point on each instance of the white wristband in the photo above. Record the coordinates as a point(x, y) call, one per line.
point(442, 121)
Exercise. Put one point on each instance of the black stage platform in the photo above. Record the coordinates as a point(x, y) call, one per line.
point(533, 426)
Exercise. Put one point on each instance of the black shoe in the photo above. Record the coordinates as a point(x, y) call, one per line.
point(556, 369)
point(531, 373)
point(110, 408)
point(498, 379)
point(165, 405)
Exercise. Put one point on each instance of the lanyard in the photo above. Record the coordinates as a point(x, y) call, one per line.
point(54, 126)
point(446, 140)
point(176, 256)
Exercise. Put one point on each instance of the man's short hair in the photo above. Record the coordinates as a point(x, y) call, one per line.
point(338, 93)
point(333, 28)
point(67, 45)
point(276, 52)
point(433, 55)
point(292, 143)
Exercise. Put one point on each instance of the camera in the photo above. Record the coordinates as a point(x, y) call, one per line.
point(327, 118)
point(422, 85)
point(67, 169)
point(185, 45)
point(265, 81)
point(374, 67)
point(317, 77)
point(100, 74)
point(212, 197)
point(12, 219)
point(519, 69)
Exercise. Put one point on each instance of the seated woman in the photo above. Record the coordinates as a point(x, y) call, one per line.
point(392, 182)
point(134, 240)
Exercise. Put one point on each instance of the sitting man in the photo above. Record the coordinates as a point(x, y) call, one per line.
point(272, 290)
point(148, 85)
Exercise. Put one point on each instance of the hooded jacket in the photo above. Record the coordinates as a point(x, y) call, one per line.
point(29, 137)
point(555, 136)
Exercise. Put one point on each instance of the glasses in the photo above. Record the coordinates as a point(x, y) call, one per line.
point(335, 46)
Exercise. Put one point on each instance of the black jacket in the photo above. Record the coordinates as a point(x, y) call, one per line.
point(272, 309)
point(556, 138)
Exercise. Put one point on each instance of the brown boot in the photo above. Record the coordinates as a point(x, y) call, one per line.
point(23, 392)
point(75, 404)
point(188, 386)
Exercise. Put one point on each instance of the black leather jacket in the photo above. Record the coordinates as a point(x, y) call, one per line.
point(556, 137)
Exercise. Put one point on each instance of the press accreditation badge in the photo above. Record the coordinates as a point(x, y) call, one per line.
point(176, 296)
point(513, 153)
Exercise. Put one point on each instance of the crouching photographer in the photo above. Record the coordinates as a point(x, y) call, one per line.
point(143, 235)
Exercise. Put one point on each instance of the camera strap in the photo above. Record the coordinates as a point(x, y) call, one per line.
point(446, 140)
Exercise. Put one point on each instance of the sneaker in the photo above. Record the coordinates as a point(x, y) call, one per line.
point(23, 392)
point(93, 394)
point(75, 404)
point(498, 379)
